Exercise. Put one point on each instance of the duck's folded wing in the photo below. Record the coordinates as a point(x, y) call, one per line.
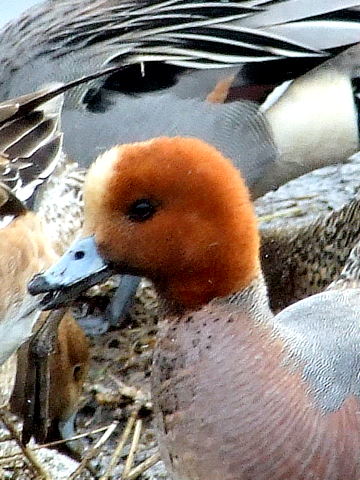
point(329, 359)
point(30, 140)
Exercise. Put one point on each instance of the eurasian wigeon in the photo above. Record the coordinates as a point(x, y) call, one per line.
point(238, 392)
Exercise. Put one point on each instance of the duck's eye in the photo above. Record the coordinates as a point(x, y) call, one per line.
point(141, 210)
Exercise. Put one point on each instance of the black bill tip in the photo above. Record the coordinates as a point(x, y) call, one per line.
point(78, 269)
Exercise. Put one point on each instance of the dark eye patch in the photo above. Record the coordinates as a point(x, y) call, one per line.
point(141, 210)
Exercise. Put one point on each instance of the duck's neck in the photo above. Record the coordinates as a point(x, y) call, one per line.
point(253, 299)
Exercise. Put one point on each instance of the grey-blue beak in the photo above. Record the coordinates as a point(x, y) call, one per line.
point(79, 268)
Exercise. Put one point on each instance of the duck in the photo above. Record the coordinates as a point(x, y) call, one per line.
point(68, 368)
point(34, 230)
point(238, 392)
point(24, 250)
point(33, 167)
point(181, 60)
point(30, 151)
point(25, 247)
point(309, 257)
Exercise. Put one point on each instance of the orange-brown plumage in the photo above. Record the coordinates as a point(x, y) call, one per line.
point(68, 368)
point(191, 271)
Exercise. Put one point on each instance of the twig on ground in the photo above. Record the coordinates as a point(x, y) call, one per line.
point(145, 465)
point(75, 437)
point(95, 449)
point(117, 453)
point(134, 445)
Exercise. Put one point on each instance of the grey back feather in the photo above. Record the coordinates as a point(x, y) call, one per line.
point(322, 333)
point(238, 129)
point(63, 40)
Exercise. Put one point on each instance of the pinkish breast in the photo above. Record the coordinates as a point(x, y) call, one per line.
point(229, 408)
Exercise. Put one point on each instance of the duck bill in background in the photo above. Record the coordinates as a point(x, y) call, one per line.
point(78, 269)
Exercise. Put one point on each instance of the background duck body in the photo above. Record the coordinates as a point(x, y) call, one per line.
point(59, 204)
point(34, 172)
point(30, 148)
point(68, 369)
point(304, 260)
point(316, 119)
point(23, 251)
point(24, 248)
point(174, 54)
